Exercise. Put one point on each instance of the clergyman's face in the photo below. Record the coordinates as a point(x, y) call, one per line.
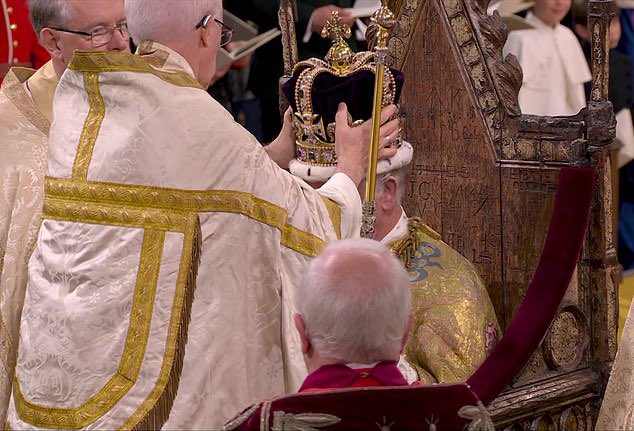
point(88, 15)
point(551, 11)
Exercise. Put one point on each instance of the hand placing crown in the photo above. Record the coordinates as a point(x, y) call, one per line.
point(316, 89)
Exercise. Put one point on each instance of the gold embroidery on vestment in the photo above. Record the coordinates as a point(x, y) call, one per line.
point(131, 358)
point(447, 341)
point(157, 211)
point(98, 62)
point(155, 410)
point(234, 423)
point(163, 207)
point(15, 92)
point(6, 347)
point(92, 125)
point(334, 210)
point(113, 214)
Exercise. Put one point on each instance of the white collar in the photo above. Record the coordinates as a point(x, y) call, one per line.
point(25, 85)
point(398, 231)
point(538, 23)
point(357, 366)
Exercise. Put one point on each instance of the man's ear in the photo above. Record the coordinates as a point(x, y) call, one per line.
point(389, 196)
point(206, 34)
point(303, 335)
point(49, 40)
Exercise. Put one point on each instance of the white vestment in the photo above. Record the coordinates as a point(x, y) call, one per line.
point(25, 115)
point(143, 167)
point(554, 67)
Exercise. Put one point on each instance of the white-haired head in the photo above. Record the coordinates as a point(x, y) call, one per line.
point(355, 303)
point(57, 22)
point(399, 177)
point(166, 20)
point(48, 13)
point(188, 27)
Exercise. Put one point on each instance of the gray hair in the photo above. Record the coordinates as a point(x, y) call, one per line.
point(147, 20)
point(399, 176)
point(355, 301)
point(48, 13)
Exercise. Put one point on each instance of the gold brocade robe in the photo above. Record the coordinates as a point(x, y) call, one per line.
point(24, 124)
point(161, 287)
point(617, 408)
point(454, 326)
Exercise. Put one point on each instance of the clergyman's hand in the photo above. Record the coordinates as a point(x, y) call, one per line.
point(352, 144)
point(282, 149)
point(323, 14)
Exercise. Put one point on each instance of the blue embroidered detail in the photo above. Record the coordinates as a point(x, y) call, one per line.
point(423, 259)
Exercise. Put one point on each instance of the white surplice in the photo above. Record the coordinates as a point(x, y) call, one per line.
point(140, 158)
point(25, 114)
point(554, 68)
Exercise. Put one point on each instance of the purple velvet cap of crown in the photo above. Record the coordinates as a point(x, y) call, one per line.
point(356, 91)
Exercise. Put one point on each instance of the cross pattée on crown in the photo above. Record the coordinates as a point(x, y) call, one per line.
point(335, 29)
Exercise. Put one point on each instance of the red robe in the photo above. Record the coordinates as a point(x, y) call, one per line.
point(341, 398)
point(339, 376)
point(338, 398)
point(18, 38)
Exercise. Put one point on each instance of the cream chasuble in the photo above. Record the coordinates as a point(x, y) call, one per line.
point(24, 124)
point(154, 191)
point(554, 67)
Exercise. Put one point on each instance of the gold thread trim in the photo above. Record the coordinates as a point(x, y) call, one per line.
point(113, 214)
point(12, 88)
point(154, 411)
point(131, 358)
point(334, 210)
point(407, 247)
point(155, 56)
point(300, 241)
point(6, 347)
point(265, 416)
point(92, 125)
point(91, 195)
point(237, 421)
point(97, 62)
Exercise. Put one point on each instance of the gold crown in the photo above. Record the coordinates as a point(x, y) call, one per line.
point(315, 142)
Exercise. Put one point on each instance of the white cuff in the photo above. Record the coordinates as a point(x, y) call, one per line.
point(341, 189)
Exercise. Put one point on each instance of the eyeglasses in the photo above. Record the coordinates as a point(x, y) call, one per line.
point(102, 35)
point(226, 32)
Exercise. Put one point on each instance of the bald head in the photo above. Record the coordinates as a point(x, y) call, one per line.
point(189, 27)
point(355, 302)
point(169, 21)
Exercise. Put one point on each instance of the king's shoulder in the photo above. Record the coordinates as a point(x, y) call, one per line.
point(423, 247)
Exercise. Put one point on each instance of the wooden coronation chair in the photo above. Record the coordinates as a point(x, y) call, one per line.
point(485, 177)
